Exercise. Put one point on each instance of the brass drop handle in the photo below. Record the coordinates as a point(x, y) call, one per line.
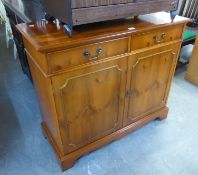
point(157, 40)
point(88, 54)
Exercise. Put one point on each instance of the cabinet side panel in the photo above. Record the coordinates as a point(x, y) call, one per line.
point(45, 97)
point(39, 58)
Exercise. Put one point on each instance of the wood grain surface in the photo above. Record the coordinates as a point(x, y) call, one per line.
point(88, 101)
point(47, 36)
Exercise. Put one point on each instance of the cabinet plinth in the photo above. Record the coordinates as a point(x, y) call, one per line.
point(104, 82)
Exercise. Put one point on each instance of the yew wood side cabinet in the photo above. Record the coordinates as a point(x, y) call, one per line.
point(109, 79)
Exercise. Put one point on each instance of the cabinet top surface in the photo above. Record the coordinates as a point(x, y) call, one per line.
point(45, 36)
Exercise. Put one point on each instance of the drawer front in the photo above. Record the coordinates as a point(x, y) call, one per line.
point(60, 60)
point(144, 40)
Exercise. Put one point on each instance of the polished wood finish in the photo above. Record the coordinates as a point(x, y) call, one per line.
point(45, 36)
point(149, 74)
point(146, 39)
point(87, 102)
point(69, 160)
point(46, 101)
point(192, 71)
point(90, 102)
point(67, 58)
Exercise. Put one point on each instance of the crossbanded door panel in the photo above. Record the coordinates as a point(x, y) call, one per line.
point(90, 102)
point(150, 74)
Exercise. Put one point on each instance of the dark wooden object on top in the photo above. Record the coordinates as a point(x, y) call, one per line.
point(77, 12)
point(106, 81)
point(21, 11)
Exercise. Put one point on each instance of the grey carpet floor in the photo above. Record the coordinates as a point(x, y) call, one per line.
point(168, 147)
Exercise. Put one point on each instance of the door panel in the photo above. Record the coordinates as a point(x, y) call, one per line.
point(91, 102)
point(149, 77)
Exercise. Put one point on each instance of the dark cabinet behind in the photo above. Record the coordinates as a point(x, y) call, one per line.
point(20, 12)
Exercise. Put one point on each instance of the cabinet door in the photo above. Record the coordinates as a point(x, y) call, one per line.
point(90, 102)
point(149, 77)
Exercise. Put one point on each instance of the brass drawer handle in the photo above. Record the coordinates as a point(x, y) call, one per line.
point(157, 40)
point(88, 54)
